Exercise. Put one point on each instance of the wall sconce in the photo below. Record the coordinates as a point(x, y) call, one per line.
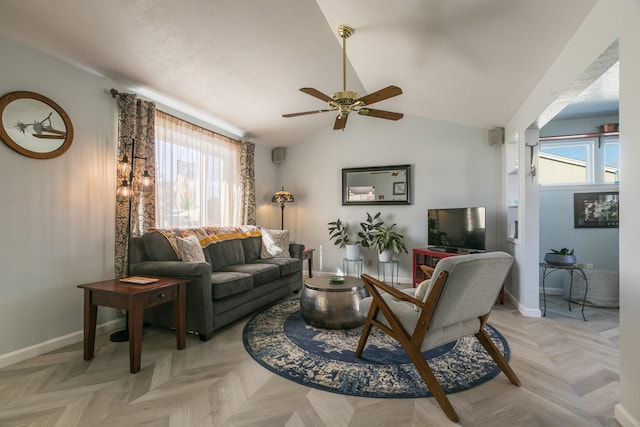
point(281, 197)
point(532, 166)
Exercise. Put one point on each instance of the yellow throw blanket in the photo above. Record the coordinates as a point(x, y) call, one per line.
point(208, 235)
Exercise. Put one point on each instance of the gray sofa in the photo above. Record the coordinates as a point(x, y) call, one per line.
point(233, 282)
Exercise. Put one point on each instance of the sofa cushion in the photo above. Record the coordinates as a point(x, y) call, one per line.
point(225, 253)
point(190, 249)
point(262, 273)
point(252, 247)
point(287, 265)
point(158, 247)
point(275, 244)
point(224, 284)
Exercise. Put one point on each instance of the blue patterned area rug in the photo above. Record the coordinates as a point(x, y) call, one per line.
point(279, 339)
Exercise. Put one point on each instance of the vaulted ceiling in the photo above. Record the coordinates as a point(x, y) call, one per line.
point(240, 64)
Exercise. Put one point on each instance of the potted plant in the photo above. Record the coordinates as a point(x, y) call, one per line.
point(339, 233)
point(561, 257)
point(371, 224)
point(342, 238)
point(387, 242)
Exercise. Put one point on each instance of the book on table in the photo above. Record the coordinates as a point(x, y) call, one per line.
point(139, 280)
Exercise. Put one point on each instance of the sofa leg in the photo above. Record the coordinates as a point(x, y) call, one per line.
point(205, 337)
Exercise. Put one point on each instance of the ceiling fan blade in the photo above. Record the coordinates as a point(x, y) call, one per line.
point(316, 93)
point(380, 114)
point(305, 113)
point(341, 122)
point(382, 94)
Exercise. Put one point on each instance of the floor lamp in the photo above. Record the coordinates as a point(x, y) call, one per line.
point(126, 190)
point(281, 197)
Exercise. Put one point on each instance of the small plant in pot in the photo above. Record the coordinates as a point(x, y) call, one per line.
point(342, 238)
point(387, 242)
point(561, 257)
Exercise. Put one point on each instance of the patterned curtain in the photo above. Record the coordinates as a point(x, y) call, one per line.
point(248, 183)
point(135, 130)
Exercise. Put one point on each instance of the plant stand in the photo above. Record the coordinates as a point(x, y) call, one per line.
point(395, 266)
point(357, 263)
point(549, 268)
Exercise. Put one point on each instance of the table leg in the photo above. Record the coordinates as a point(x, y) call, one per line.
point(586, 289)
point(90, 316)
point(179, 316)
point(135, 333)
point(570, 288)
point(544, 294)
point(397, 267)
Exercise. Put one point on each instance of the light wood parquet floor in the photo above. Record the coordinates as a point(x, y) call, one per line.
point(568, 368)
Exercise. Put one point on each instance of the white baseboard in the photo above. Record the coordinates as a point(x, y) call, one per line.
point(56, 343)
point(624, 417)
point(526, 312)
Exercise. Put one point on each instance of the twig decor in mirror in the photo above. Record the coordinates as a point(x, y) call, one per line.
point(378, 185)
point(34, 125)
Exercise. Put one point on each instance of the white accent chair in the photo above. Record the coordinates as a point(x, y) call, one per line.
point(459, 298)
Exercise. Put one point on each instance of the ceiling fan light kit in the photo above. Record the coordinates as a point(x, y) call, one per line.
point(346, 101)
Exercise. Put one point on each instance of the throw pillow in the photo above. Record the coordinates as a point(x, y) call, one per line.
point(190, 249)
point(422, 291)
point(275, 244)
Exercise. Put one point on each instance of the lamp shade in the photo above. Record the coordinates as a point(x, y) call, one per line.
point(282, 197)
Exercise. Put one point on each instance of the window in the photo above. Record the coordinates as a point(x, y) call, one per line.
point(587, 160)
point(197, 175)
point(611, 160)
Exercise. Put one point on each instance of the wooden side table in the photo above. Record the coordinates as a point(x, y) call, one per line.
point(133, 298)
point(308, 255)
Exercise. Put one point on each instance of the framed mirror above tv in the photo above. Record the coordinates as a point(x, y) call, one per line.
point(377, 185)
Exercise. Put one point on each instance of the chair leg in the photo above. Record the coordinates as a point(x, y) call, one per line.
point(495, 354)
point(366, 330)
point(432, 383)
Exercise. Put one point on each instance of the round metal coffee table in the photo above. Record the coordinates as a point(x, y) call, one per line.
point(332, 305)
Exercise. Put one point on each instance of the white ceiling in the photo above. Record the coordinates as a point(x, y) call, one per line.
point(242, 61)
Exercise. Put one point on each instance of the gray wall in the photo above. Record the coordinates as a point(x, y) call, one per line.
point(452, 166)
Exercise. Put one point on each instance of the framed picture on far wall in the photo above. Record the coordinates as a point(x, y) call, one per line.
point(399, 189)
point(596, 210)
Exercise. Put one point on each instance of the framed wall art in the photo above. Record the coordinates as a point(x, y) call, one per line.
point(596, 210)
point(399, 189)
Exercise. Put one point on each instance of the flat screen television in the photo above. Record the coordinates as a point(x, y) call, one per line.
point(457, 229)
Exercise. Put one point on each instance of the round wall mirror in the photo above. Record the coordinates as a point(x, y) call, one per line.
point(34, 125)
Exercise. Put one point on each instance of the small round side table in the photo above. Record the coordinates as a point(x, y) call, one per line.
point(332, 306)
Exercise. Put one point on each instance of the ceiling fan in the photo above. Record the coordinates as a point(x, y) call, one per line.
point(346, 102)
